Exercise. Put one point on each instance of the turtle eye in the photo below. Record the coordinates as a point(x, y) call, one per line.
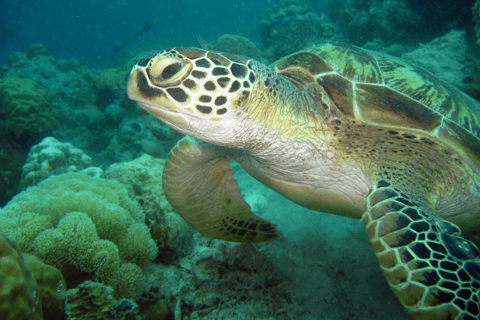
point(168, 71)
point(171, 70)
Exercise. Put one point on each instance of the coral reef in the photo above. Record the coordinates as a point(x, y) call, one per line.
point(392, 21)
point(143, 179)
point(97, 117)
point(66, 81)
point(237, 45)
point(89, 223)
point(52, 157)
point(19, 292)
point(292, 25)
point(91, 300)
point(27, 112)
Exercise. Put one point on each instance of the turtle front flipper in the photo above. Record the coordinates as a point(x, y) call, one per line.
point(199, 184)
point(434, 272)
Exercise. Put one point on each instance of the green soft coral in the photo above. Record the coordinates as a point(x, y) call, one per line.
point(75, 242)
point(90, 223)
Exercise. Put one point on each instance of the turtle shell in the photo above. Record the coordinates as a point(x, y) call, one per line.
point(379, 90)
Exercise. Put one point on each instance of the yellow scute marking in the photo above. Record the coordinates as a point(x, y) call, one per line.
point(415, 81)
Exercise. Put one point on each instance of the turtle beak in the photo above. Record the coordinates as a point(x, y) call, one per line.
point(137, 82)
point(140, 89)
point(154, 100)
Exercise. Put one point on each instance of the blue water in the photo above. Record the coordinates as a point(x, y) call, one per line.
point(90, 30)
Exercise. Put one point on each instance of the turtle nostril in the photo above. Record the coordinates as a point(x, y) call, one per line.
point(171, 70)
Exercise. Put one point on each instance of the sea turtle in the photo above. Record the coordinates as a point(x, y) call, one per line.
point(336, 129)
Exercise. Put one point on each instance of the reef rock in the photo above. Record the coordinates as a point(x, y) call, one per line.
point(448, 58)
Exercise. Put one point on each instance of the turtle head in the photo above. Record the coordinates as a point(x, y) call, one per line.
point(197, 92)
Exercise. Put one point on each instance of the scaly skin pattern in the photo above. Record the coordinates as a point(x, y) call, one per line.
point(357, 139)
point(432, 270)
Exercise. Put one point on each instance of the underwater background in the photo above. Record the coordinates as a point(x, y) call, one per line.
point(81, 165)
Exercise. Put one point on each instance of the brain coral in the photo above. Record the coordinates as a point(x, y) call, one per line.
point(26, 108)
point(88, 222)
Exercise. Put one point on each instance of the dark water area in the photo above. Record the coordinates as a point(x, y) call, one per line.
point(90, 30)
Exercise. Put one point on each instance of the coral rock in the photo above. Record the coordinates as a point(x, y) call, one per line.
point(26, 108)
point(37, 49)
point(93, 301)
point(53, 287)
point(52, 157)
point(19, 292)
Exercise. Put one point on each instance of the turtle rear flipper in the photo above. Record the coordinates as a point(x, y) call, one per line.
point(434, 272)
point(199, 184)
